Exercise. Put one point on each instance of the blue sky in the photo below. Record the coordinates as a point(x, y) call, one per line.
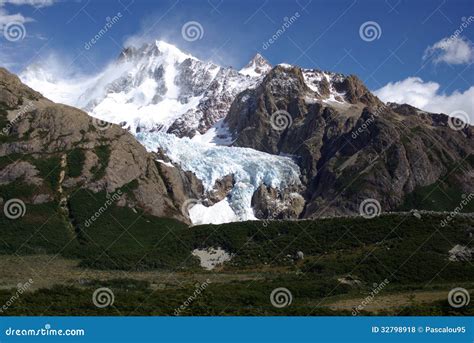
point(324, 35)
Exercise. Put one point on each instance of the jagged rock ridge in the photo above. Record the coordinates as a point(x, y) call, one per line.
point(350, 147)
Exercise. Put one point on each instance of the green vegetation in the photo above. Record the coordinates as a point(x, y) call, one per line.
point(127, 239)
point(5, 131)
point(411, 253)
point(129, 188)
point(138, 299)
point(121, 239)
point(49, 169)
point(75, 162)
point(18, 190)
point(439, 196)
point(41, 230)
point(250, 298)
point(103, 153)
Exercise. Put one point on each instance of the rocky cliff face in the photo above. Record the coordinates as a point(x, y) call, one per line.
point(349, 145)
point(157, 87)
point(57, 149)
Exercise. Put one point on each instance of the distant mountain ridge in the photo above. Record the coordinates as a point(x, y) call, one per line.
point(348, 144)
point(351, 146)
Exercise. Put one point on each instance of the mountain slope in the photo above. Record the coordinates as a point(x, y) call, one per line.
point(155, 87)
point(349, 145)
point(51, 150)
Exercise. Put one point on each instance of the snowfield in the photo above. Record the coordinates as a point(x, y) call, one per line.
point(156, 87)
point(250, 168)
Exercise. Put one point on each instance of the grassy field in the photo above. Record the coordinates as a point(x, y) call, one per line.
point(226, 294)
point(148, 265)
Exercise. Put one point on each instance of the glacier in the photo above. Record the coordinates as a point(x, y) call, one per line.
point(159, 94)
point(210, 162)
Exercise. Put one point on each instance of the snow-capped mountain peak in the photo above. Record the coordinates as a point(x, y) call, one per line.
point(257, 66)
point(152, 50)
point(157, 87)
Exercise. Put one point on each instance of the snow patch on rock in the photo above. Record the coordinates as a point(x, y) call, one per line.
point(250, 168)
point(219, 213)
point(211, 257)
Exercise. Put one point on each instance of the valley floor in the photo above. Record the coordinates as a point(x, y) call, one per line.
point(54, 265)
point(62, 287)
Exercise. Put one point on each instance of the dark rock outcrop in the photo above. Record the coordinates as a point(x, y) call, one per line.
point(349, 149)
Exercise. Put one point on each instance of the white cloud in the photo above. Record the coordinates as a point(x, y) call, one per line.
point(453, 50)
point(426, 96)
point(35, 3)
point(6, 17)
point(57, 77)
